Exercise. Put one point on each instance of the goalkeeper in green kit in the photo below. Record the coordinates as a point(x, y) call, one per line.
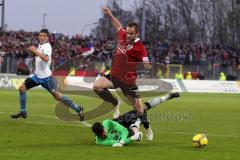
point(125, 129)
point(112, 133)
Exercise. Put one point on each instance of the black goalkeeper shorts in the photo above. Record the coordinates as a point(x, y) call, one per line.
point(127, 119)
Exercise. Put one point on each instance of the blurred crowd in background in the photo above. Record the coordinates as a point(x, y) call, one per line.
point(209, 61)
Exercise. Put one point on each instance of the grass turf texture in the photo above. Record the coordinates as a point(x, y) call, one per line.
point(41, 136)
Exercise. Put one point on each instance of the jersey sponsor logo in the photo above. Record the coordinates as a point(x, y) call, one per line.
point(121, 49)
point(129, 46)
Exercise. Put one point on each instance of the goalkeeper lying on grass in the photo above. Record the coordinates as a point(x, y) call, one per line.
point(112, 133)
point(125, 129)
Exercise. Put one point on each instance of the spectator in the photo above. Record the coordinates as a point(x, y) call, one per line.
point(179, 76)
point(189, 76)
point(209, 60)
point(22, 68)
point(222, 77)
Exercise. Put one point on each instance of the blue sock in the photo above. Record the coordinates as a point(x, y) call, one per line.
point(23, 99)
point(68, 102)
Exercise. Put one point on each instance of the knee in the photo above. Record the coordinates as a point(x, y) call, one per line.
point(57, 96)
point(100, 84)
point(135, 104)
point(139, 108)
point(22, 88)
point(95, 86)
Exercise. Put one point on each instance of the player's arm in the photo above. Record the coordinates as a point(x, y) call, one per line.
point(114, 20)
point(105, 142)
point(144, 58)
point(43, 56)
point(147, 65)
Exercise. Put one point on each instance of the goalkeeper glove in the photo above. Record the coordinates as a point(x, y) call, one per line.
point(122, 142)
point(117, 145)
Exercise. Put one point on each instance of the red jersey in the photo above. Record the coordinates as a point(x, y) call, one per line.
point(126, 57)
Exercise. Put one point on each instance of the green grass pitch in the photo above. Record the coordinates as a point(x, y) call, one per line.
point(43, 136)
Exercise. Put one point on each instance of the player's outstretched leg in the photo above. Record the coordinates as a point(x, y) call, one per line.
point(156, 101)
point(151, 104)
point(78, 108)
point(68, 102)
point(137, 134)
point(100, 87)
point(107, 96)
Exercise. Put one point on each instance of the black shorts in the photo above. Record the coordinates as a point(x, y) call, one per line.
point(48, 83)
point(29, 83)
point(127, 119)
point(128, 90)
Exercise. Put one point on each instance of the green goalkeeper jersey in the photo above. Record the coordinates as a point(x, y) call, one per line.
point(115, 133)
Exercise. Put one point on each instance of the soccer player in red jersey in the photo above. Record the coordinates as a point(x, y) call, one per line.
point(129, 52)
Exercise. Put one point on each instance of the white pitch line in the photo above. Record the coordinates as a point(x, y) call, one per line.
point(208, 134)
point(223, 135)
point(46, 116)
point(86, 124)
point(52, 124)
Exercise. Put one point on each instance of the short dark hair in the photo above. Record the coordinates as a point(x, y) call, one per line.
point(45, 31)
point(97, 128)
point(135, 25)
